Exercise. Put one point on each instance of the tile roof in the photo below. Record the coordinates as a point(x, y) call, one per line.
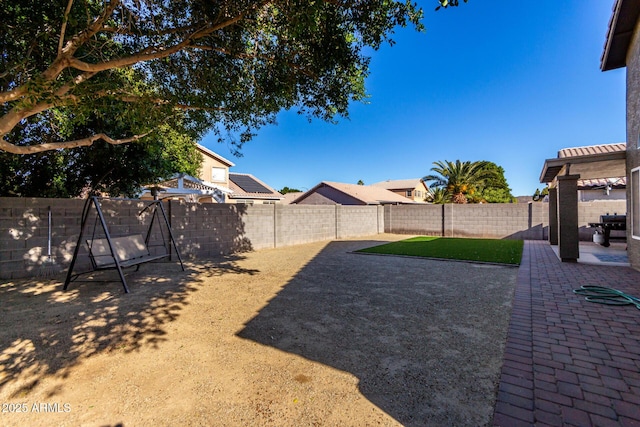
point(591, 149)
point(367, 194)
point(620, 182)
point(607, 158)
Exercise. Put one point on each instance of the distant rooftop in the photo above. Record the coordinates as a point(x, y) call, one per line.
point(367, 194)
point(397, 184)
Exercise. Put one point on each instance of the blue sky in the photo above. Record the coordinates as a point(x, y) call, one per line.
point(508, 82)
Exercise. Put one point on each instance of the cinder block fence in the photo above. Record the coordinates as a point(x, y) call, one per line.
point(210, 230)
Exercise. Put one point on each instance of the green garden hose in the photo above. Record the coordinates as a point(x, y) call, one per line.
point(607, 296)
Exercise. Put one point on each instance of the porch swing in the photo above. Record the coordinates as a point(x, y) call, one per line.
point(109, 252)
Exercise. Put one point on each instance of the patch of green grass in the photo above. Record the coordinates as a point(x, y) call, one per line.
point(484, 250)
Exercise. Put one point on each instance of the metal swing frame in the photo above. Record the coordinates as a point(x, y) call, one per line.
point(119, 252)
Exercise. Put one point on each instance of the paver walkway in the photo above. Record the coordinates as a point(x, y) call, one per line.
point(568, 361)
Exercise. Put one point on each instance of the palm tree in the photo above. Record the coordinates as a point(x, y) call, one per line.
point(438, 196)
point(459, 179)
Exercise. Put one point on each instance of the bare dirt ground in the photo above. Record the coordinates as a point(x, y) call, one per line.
point(305, 335)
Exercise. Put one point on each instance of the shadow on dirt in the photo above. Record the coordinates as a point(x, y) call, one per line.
point(45, 331)
point(425, 338)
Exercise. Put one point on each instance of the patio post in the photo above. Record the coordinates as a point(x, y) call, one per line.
point(553, 216)
point(568, 237)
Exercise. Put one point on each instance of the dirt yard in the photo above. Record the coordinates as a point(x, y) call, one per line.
point(307, 335)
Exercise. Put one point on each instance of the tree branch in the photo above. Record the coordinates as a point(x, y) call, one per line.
point(125, 97)
point(62, 60)
point(65, 19)
point(152, 52)
point(82, 37)
point(84, 142)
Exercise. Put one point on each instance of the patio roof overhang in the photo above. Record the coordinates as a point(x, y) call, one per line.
point(594, 166)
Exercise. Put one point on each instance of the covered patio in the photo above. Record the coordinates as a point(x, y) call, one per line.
point(562, 174)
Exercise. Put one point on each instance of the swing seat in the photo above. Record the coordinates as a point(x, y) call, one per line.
point(131, 251)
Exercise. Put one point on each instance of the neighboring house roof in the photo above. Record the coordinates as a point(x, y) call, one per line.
point(621, 26)
point(367, 194)
point(189, 187)
point(290, 197)
point(247, 186)
point(593, 161)
point(216, 156)
point(399, 184)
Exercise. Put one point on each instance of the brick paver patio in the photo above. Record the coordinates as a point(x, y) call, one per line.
point(568, 361)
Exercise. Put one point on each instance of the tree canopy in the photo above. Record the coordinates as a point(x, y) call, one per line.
point(144, 67)
point(119, 170)
point(495, 188)
point(286, 190)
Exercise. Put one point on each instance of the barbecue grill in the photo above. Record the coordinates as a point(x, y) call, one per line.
point(608, 223)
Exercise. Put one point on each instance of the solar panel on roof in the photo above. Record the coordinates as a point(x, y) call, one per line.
point(248, 184)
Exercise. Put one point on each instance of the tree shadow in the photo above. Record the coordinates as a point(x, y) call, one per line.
point(425, 338)
point(45, 331)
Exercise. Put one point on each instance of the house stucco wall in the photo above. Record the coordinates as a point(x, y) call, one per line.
point(600, 195)
point(633, 135)
point(209, 162)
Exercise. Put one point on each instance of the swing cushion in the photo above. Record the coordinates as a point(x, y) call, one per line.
point(131, 250)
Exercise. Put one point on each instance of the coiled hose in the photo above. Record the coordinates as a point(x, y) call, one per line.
point(608, 296)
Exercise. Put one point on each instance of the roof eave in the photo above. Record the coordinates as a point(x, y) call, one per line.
point(215, 155)
point(621, 27)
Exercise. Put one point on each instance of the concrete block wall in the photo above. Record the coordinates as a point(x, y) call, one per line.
point(512, 221)
point(200, 230)
point(260, 226)
point(24, 232)
point(209, 230)
point(297, 224)
point(414, 219)
point(354, 221)
point(515, 221)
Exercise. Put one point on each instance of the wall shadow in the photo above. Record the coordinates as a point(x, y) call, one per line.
point(424, 338)
point(533, 232)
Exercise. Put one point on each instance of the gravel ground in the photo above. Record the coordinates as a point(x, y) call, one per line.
point(305, 335)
